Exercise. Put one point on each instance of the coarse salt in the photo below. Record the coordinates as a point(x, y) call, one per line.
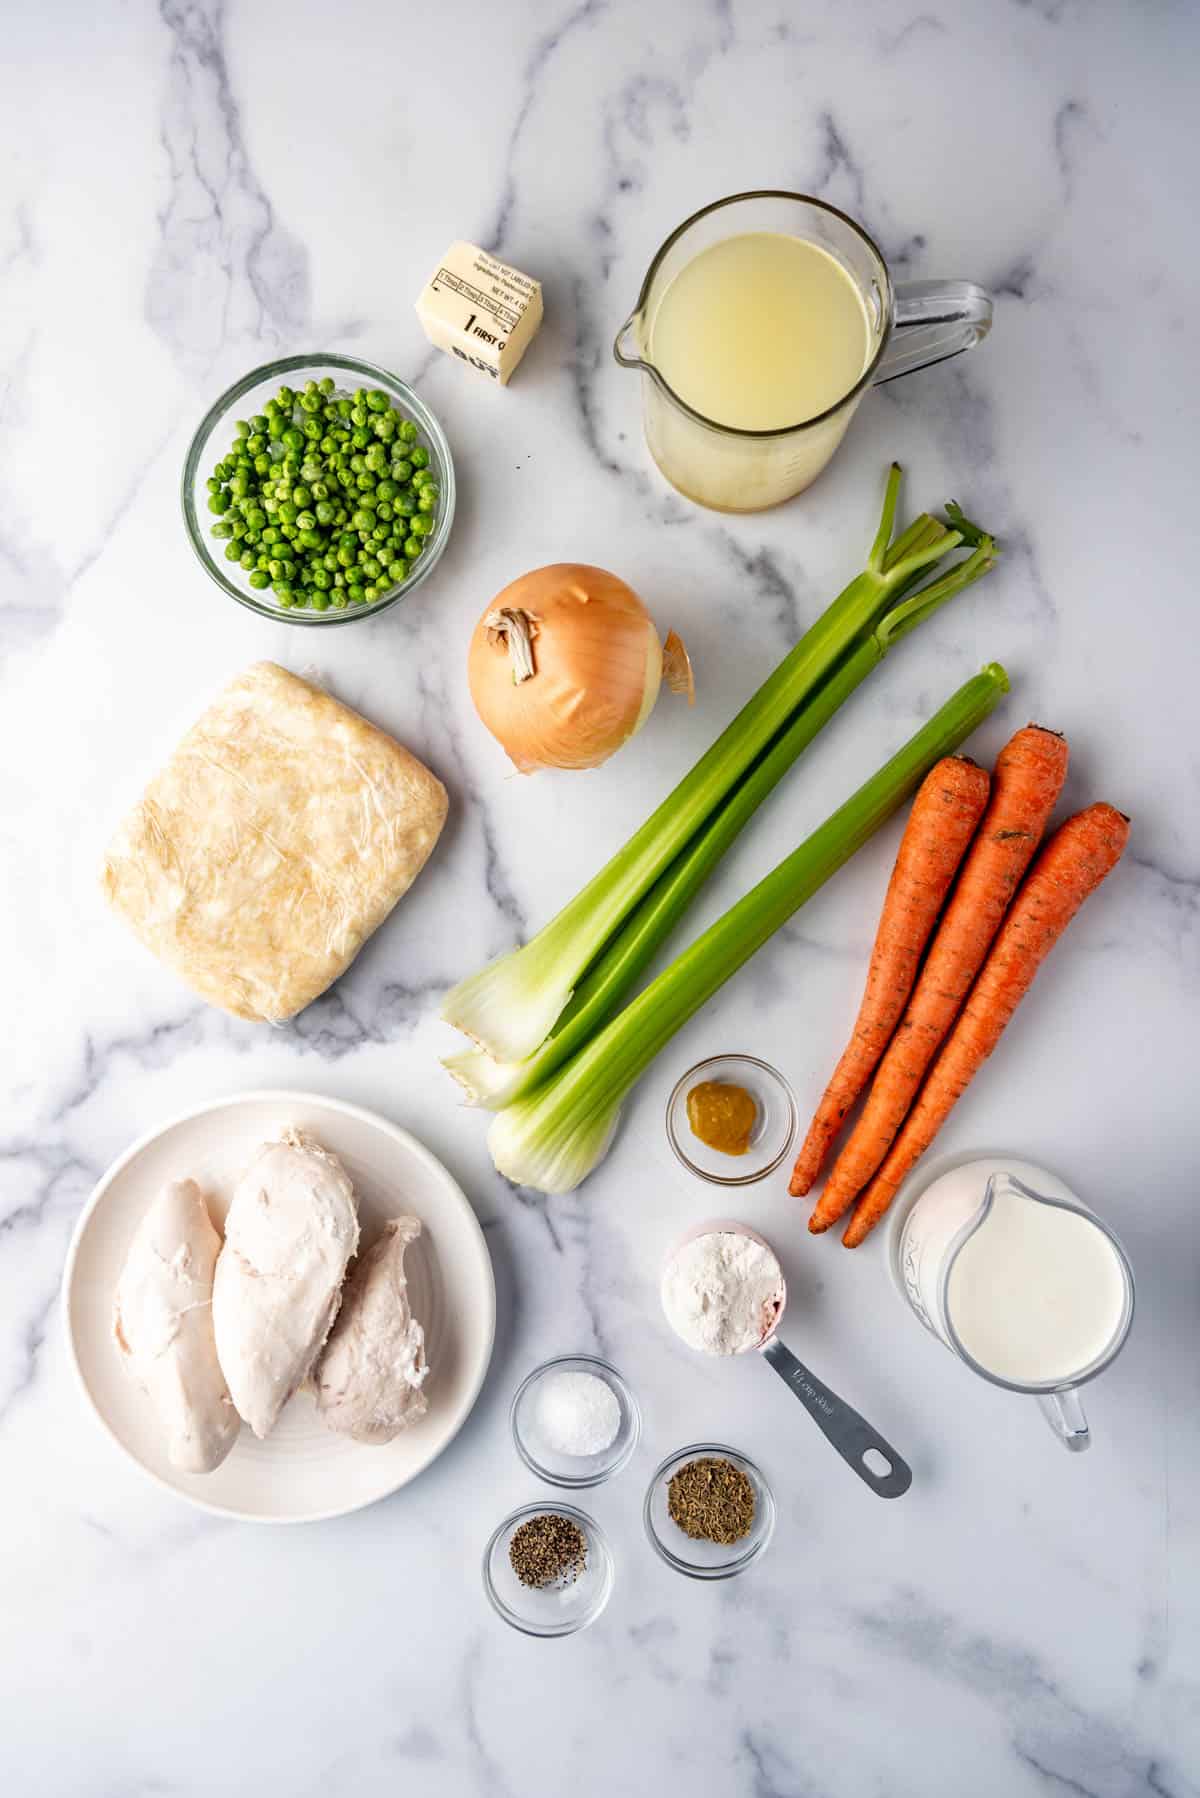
point(577, 1413)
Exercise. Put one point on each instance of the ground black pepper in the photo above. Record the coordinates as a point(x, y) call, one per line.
point(549, 1550)
point(712, 1500)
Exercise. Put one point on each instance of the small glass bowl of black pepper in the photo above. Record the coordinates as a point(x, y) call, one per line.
point(735, 1504)
point(548, 1570)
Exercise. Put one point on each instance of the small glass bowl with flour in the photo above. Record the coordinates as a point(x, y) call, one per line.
point(575, 1421)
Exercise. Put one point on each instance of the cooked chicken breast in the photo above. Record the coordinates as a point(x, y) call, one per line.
point(291, 1229)
point(370, 1377)
point(163, 1325)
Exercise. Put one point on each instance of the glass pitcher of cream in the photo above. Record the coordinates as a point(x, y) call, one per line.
point(1020, 1280)
point(761, 323)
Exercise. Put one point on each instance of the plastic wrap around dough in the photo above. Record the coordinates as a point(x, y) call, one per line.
point(279, 835)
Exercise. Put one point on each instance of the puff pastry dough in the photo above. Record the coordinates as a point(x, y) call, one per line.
point(279, 835)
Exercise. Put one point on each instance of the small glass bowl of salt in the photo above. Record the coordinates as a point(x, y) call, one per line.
point(575, 1421)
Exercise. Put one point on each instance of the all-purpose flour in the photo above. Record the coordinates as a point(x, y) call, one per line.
point(721, 1292)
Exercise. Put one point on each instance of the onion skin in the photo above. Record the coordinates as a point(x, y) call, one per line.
point(597, 668)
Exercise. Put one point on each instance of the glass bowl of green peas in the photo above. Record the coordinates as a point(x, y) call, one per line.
point(318, 489)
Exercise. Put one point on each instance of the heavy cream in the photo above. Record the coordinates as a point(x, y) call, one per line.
point(1036, 1294)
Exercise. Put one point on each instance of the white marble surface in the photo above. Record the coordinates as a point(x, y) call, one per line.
point(187, 190)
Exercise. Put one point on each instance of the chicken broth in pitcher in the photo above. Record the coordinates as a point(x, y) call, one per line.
point(761, 331)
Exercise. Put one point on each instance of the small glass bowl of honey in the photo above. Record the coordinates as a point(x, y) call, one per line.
point(731, 1119)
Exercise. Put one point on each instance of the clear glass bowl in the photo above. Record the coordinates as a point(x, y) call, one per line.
point(215, 433)
point(698, 1559)
point(573, 1471)
point(548, 1610)
point(773, 1132)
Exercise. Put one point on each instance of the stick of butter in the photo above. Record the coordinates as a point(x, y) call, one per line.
point(480, 310)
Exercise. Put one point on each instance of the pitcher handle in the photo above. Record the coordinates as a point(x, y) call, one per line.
point(932, 321)
point(1063, 1411)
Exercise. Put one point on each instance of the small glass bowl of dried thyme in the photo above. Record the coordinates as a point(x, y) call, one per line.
point(709, 1511)
point(548, 1570)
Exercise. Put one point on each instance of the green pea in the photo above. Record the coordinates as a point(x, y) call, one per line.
point(325, 512)
point(325, 386)
point(402, 472)
point(370, 594)
point(355, 593)
point(310, 402)
point(218, 502)
point(422, 524)
point(413, 548)
point(407, 430)
point(260, 579)
point(320, 602)
point(371, 568)
point(222, 528)
point(322, 579)
point(398, 570)
point(293, 438)
point(404, 505)
point(384, 510)
point(247, 558)
point(310, 539)
point(360, 439)
point(338, 601)
point(419, 457)
point(233, 551)
point(242, 428)
point(270, 535)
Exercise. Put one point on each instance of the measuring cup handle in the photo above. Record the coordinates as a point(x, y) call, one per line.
point(932, 321)
point(1064, 1413)
point(849, 1433)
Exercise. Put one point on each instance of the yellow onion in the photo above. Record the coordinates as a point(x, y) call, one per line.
point(565, 665)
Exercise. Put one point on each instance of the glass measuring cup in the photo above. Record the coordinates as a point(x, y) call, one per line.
point(910, 326)
point(931, 1234)
point(863, 1449)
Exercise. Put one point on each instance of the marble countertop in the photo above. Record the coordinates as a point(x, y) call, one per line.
point(192, 188)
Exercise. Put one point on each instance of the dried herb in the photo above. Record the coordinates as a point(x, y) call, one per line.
point(548, 1551)
point(712, 1500)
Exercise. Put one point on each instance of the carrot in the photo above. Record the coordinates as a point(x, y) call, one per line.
point(1028, 778)
point(945, 812)
point(1071, 866)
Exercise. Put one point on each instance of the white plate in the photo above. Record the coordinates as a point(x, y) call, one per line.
point(302, 1473)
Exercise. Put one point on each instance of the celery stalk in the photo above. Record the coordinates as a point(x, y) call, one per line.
point(511, 1006)
point(552, 1139)
point(495, 1084)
